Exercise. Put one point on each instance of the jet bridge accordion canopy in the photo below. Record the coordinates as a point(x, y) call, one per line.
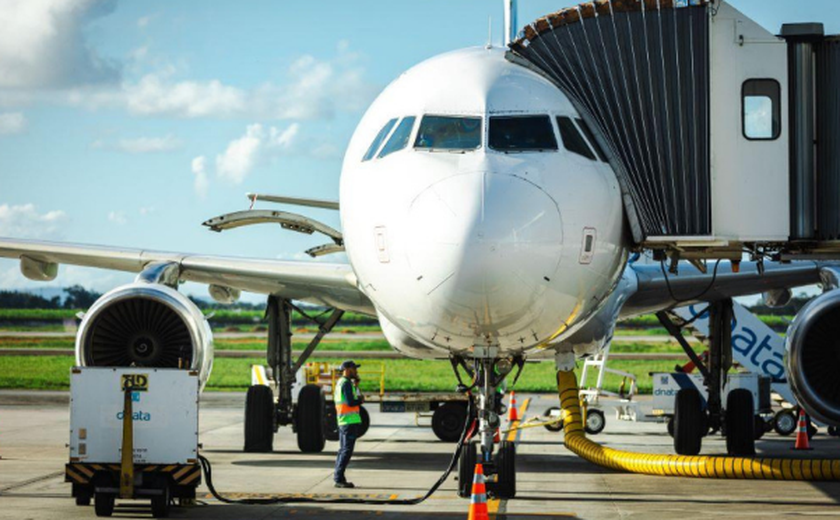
point(638, 70)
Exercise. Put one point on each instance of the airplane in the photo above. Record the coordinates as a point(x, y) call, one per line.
point(481, 225)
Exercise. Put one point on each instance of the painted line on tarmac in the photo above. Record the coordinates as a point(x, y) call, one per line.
point(31, 481)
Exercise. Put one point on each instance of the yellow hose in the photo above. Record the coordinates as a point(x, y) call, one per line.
point(684, 466)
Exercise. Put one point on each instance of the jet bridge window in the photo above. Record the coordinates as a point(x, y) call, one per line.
point(761, 109)
point(399, 139)
point(572, 139)
point(377, 141)
point(521, 133)
point(449, 133)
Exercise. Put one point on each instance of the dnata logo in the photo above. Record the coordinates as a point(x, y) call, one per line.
point(136, 416)
point(665, 391)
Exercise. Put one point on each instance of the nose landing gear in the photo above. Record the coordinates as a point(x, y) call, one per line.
point(488, 374)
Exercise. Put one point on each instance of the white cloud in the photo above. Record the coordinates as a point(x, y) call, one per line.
point(117, 217)
point(147, 210)
point(286, 138)
point(24, 221)
point(42, 44)
point(144, 21)
point(149, 144)
point(12, 123)
point(155, 95)
point(241, 155)
point(200, 183)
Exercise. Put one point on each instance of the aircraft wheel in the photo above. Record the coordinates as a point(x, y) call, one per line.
point(448, 421)
point(466, 469)
point(259, 419)
point(363, 427)
point(740, 423)
point(309, 418)
point(784, 422)
point(553, 413)
point(595, 421)
point(689, 422)
point(103, 503)
point(505, 488)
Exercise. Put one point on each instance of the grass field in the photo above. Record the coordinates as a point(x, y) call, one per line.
point(53, 373)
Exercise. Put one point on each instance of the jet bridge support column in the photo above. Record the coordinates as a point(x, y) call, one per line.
point(720, 357)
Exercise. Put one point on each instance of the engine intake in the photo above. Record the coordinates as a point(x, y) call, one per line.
point(813, 357)
point(145, 325)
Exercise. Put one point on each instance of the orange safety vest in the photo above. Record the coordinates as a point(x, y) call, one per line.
point(345, 413)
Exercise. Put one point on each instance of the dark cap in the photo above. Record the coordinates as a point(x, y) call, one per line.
point(348, 364)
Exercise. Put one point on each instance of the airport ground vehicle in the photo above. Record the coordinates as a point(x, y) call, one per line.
point(133, 434)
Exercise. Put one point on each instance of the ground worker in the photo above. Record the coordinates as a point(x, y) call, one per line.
point(348, 400)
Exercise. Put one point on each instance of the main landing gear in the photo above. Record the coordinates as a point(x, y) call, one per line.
point(694, 418)
point(487, 374)
point(264, 413)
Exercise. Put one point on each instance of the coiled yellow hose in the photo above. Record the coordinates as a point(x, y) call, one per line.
point(684, 466)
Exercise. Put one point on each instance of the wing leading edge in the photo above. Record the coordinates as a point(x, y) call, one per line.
point(333, 285)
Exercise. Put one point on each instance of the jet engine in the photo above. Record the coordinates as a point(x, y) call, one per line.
point(813, 357)
point(146, 325)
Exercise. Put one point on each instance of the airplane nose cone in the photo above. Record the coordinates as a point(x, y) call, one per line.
point(484, 248)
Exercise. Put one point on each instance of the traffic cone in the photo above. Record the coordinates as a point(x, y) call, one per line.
point(513, 413)
point(478, 499)
point(802, 442)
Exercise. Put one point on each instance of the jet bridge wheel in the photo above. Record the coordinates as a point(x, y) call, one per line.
point(466, 469)
point(689, 422)
point(309, 419)
point(259, 419)
point(740, 423)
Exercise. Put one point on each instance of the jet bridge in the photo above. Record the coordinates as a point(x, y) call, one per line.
point(724, 136)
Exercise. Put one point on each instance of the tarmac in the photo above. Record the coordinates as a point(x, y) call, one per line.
point(399, 459)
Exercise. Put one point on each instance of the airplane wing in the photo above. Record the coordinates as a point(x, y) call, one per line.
point(333, 285)
point(657, 289)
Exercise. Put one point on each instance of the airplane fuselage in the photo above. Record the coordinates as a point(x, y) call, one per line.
point(464, 226)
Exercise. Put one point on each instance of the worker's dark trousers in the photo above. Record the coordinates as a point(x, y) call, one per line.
point(347, 435)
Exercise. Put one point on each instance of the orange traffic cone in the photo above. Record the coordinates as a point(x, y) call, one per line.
point(513, 413)
point(478, 500)
point(802, 442)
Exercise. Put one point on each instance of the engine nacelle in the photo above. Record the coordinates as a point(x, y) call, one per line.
point(145, 325)
point(813, 357)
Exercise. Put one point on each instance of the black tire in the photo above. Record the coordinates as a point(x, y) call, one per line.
point(330, 423)
point(689, 422)
point(740, 423)
point(82, 494)
point(259, 419)
point(834, 431)
point(595, 421)
point(466, 469)
point(760, 428)
point(309, 418)
point(448, 421)
point(784, 422)
point(160, 503)
point(549, 414)
point(365, 425)
point(103, 504)
point(505, 488)
point(671, 426)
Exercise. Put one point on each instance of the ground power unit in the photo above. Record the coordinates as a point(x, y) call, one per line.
point(133, 434)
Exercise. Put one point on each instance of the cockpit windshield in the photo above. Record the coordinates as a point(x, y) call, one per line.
point(449, 133)
point(522, 133)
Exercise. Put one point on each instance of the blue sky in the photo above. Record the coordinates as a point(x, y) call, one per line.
point(129, 123)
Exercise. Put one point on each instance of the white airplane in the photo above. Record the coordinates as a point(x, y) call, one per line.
point(481, 224)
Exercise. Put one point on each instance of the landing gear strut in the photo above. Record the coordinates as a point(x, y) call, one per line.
point(263, 413)
point(488, 374)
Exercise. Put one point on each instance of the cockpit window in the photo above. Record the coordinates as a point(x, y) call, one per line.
point(377, 141)
point(399, 139)
point(594, 142)
point(522, 133)
point(449, 133)
point(572, 140)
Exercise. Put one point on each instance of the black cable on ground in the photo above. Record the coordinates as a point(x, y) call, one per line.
point(292, 499)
